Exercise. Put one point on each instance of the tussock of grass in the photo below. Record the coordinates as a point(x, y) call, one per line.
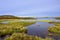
point(56, 28)
point(10, 30)
point(22, 36)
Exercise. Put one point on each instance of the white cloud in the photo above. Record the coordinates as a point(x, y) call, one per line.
point(26, 7)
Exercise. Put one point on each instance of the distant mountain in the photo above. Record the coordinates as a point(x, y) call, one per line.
point(14, 17)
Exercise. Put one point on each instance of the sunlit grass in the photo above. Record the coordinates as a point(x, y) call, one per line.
point(12, 27)
point(45, 21)
point(55, 28)
point(23, 36)
point(18, 30)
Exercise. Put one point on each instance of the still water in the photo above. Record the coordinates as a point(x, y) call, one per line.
point(41, 29)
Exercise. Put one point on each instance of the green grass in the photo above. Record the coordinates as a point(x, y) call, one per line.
point(11, 30)
point(45, 21)
point(56, 28)
point(23, 36)
point(12, 27)
point(9, 20)
point(18, 30)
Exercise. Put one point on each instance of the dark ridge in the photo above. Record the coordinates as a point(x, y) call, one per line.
point(14, 17)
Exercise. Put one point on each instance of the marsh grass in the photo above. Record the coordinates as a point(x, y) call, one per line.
point(12, 27)
point(45, 21)
point(17, 30)
point(10, 30)
point(23, 36)
point(56, 28)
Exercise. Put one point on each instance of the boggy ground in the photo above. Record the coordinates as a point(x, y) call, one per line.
point(23, 36)
point(12, 27)
point(17, 30)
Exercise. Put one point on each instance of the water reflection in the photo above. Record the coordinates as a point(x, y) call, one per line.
point(4, 22)
point(41, 30)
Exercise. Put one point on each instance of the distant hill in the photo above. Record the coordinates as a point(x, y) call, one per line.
point(8, 17)
point(14, 17)
point(57, 18)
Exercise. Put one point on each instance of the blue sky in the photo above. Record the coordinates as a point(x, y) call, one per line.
point(30, 7)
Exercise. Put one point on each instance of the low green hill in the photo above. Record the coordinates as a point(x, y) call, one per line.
point(14, 17)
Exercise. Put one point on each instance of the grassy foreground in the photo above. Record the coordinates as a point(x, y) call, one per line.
point(22, 36)
point(55, 28)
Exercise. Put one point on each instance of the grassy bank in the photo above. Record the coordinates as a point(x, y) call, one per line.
point(12, 27)
point(22, 36)
point(45, 21)
point(55, 28)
